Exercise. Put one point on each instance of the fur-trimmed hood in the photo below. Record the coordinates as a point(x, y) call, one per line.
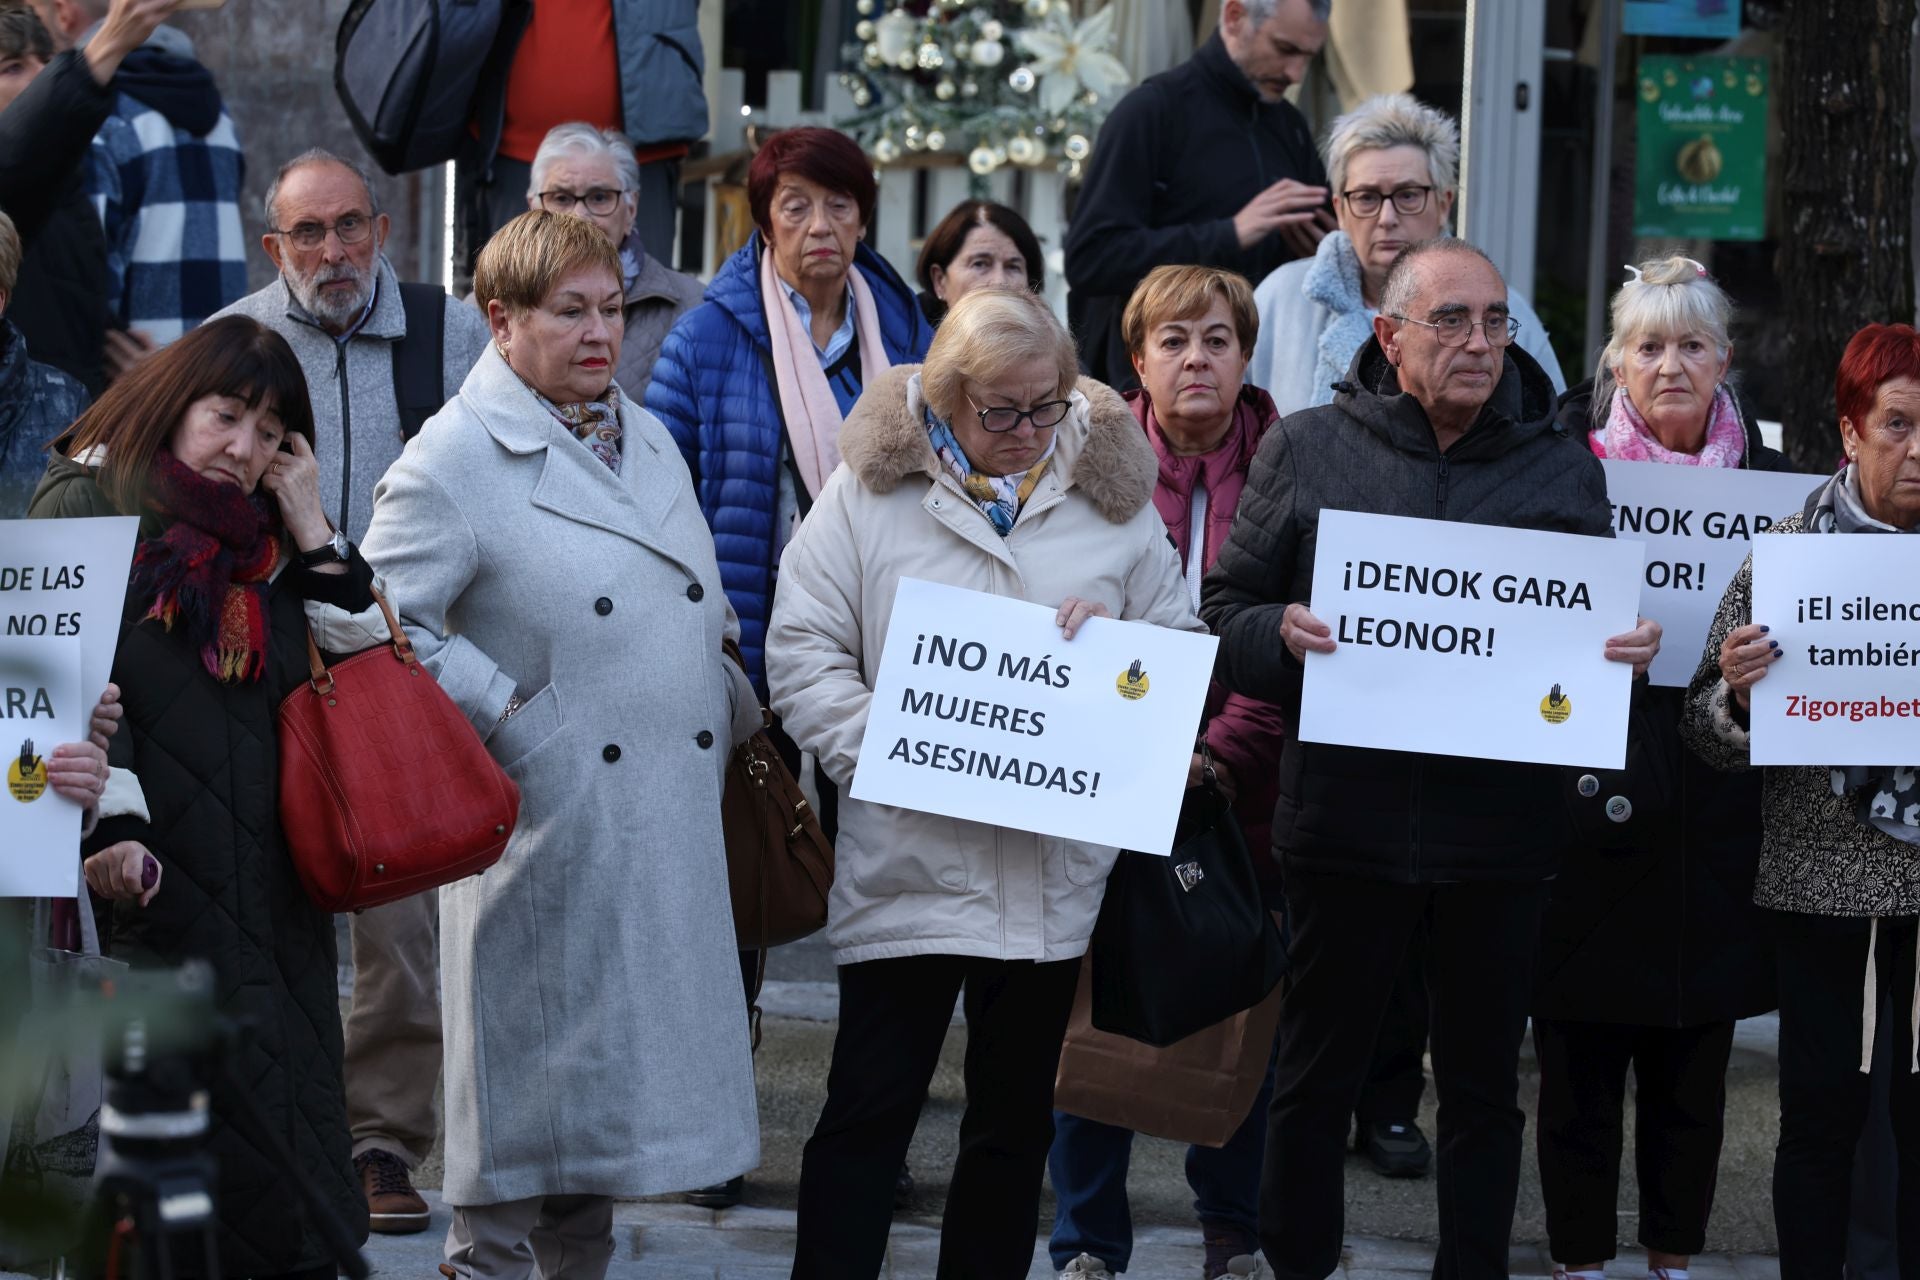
point(1099, 448)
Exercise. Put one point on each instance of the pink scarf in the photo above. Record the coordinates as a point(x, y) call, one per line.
point(806, 401)
point(1627, 437)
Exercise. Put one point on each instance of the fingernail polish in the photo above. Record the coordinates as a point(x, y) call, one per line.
point(1773, 644)
point(1764, 630)
point(149, 872)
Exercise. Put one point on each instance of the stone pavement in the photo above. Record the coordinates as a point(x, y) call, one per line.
point(680, 1242)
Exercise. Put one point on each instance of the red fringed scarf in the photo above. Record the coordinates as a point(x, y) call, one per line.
point(210, 566)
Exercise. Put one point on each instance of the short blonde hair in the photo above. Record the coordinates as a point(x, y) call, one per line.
point(9, 255)
point(1395, 120)
point(986, 333)
point(1186, 293)
point(533, 253)
point(1667, 298)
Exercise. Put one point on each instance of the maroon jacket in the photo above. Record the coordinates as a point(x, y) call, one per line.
point(1243, 733)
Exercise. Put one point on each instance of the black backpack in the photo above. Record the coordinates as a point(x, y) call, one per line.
point(408, 73)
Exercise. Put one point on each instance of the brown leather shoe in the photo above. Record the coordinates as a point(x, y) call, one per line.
point(393, 1207)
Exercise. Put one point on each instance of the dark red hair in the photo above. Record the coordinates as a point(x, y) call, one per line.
point(1874, 356)
point(823, 156)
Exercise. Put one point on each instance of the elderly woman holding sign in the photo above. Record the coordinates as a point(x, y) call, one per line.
point(992, 467)
point(1840, 848)
point(1439, 416)
point(1652, 947)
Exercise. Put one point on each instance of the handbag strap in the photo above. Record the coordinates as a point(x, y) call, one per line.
point(317, 672)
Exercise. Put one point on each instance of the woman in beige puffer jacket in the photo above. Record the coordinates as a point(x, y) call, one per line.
point(1059, 514)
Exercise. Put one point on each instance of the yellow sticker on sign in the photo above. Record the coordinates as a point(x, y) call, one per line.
point(1556, 707)
point(1133, 683)
point(27, 775)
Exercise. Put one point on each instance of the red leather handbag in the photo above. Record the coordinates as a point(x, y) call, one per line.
point(385, 789)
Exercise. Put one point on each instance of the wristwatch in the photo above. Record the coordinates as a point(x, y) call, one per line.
point(332, 551)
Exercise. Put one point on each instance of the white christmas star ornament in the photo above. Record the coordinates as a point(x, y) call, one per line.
point(1069, 58)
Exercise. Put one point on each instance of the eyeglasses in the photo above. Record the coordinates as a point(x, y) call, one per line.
point(1457, 330)
point(600, 201)
point(1363, 203)
point(1044, 417)
point(352, 229)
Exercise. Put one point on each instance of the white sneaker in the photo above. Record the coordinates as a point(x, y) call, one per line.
point(1086, 1267)
point(1245, 1264)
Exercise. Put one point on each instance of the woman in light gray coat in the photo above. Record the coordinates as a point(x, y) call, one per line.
point(542, 541)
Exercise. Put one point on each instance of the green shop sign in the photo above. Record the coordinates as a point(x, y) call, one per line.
point(1701, 167)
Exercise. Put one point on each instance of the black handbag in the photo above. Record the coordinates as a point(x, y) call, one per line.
point(1184, 941)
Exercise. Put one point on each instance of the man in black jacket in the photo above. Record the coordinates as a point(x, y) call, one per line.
point(1439, 418)
point(1206, 164)
point(51, 105)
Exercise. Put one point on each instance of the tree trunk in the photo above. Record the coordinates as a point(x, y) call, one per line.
point(1846, 253)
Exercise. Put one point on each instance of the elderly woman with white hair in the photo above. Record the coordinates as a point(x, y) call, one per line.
point(591, 173)
point(992, 467)
point(1651, 948)
point(1393, 163)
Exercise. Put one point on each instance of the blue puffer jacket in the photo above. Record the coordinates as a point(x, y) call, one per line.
point(713, 387)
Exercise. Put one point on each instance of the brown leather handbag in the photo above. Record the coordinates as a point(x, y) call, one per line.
point(385, 789)
point(779, 861)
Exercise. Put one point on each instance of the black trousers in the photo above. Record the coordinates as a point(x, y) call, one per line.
point(893, 1018)
point(1680, 1099)
point(1824, 1096)
point(1397, 1076)
point(1349, 937)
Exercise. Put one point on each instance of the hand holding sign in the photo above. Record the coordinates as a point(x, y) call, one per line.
point(1304, 633)
point(1637, 648)
point(1745, 655)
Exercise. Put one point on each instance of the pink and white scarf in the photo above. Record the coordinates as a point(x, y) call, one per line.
point(806, 400)
point(1627, 437)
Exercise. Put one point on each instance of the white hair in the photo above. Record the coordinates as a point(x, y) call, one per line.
point(1396, 120)
point(579, 139)
point(1664, 298)
point(1258, 11)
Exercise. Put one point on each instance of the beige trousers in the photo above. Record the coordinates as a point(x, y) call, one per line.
point(566, 1237)
point(393, 1028)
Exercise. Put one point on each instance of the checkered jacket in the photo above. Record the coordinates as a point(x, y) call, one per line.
point(170, 204)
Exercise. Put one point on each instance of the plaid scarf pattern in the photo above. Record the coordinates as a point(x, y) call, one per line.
point(210, 567)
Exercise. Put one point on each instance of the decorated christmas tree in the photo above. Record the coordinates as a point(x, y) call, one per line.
point(998, 81)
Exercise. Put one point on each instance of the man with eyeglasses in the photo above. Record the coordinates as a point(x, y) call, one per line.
point(1440, 416)
point(380, 357)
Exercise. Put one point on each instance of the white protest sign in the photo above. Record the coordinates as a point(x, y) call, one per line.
point(1698, 524)
point(68, 578)
point(1846, 687)
point(40, 708)
point(981, 711)
point(1470, 640)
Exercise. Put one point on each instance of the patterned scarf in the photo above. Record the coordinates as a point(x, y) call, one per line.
point(1000, 497)
point(210, 566)
point(595, 422)
point(1885, 796)
point(1627, 437)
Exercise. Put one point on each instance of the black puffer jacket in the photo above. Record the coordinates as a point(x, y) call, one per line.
point(1652, 920)
point(206, 754)
point(1394, 815)
point(60, 300)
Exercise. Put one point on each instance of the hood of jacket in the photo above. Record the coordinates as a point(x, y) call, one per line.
point(163, 74)
point(1520, 409)
point(1099, 448)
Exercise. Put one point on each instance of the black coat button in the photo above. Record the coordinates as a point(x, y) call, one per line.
point(603, 606)
point(696, 592)
point(610, 752)
point(704, 738)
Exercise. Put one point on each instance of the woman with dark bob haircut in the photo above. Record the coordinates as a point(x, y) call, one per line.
point(210, 443)
point(978, 245)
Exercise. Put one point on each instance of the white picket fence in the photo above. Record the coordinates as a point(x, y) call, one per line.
point(913, 197)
